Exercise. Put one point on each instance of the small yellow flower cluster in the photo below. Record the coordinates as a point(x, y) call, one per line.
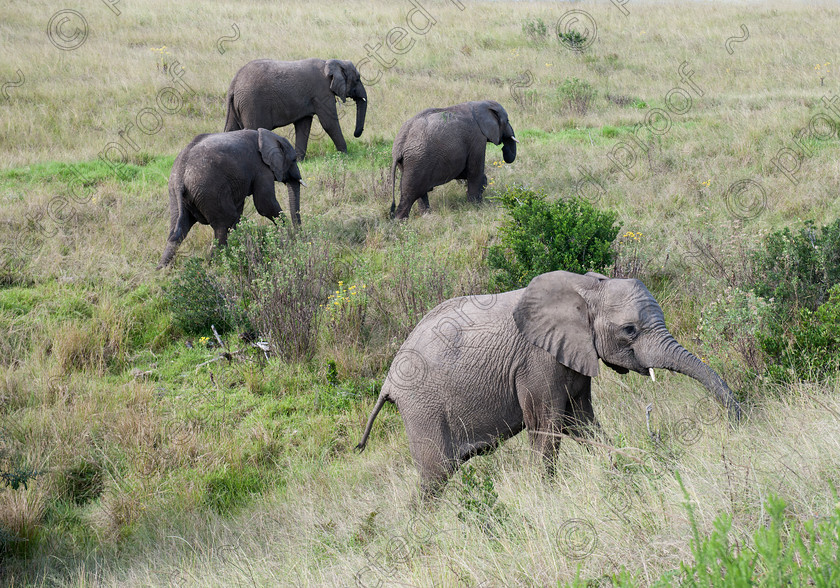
point(498, 164)
point(161, 50)
point(203, 340)
point(826, 64)
point(343, 295)
point(631, 235)
point(707, 183)
point(549, 64)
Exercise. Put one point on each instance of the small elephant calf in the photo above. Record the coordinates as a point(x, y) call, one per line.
point(480, 369)
point(215, 173)
point(443, 144)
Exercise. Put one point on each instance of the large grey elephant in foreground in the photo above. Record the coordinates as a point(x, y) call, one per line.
point(270, 94)
point(478, 369)
point(443, 144)
point(215, 173)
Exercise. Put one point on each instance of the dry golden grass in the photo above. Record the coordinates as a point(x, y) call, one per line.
point(93, 372)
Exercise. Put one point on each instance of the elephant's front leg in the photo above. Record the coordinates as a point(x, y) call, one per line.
point(579, 419)
point(477, 181)
point(329, 121)
point(542, 410)
point(302, 127)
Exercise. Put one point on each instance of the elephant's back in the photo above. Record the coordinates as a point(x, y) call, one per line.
point(276, 70)
point(461, 336)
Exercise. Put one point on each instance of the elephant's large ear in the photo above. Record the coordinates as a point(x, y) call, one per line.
point(338, 80)
point(273, 154)
point(491, 119)
point(553, 315)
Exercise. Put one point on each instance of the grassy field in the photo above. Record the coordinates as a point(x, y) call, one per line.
point(157, 468)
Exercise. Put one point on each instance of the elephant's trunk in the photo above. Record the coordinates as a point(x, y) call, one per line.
point(293, 186)
point(509, 144)
point(673, 356)
point(361, 111)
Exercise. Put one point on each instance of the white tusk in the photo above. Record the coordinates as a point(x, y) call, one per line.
point(363, 99)
point(652, 376)
point(302, 183)
point(515, 140)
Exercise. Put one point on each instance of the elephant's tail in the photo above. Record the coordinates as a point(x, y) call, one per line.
point(394, 164)
point(383, 397)
point(232, 122)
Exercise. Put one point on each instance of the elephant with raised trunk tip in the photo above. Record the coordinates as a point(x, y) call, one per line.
point(268, 94)
point(439, 145)
point(479, 369)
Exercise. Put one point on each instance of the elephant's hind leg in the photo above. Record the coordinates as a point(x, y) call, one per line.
point(178, 233)
point(435, 460)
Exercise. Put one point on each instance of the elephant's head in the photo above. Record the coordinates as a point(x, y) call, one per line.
point(279, 155)
point(579, 319)
point(345, 82)
point(493, 122)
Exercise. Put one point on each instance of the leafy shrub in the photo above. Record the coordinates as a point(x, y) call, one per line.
point(479, 501)
point(265, 279)
point(535, 29)
point(280, 281)
point(800, 277)
point(810, 349)
point(197, 301)
point(730, 329)
point(798, 269)
point(572, 39)
point(781, 555)
point(541, 236)
point(576, 95)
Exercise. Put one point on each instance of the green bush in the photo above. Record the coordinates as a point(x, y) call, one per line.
point(197, 301)
point(800, 278)
point(809, 348)
point(781, 554)
point(479, 502)
point(576, 95)
point(572, 39)
point(265, 279)
point(536, 29)
point(798, 269)
point(541, 236)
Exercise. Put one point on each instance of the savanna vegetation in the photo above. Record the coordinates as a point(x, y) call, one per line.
point(139, 447)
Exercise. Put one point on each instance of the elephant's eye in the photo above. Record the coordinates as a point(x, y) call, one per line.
point(629, 330)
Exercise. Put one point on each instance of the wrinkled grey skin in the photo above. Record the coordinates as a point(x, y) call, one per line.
point(444, 144)
point(269, 94)
point(478, 369)
point(215, 173)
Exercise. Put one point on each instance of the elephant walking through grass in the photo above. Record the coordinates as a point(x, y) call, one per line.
point(268, 94)
point(479, 369)
point(439, 145)
point(215, 173)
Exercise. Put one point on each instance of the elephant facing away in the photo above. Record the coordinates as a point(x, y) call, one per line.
point(478, 369)
point(215, 173)
point(439, 145)
point(268, 94)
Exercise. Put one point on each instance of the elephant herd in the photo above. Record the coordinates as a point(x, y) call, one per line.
point(477, 369)
point(215, 173)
